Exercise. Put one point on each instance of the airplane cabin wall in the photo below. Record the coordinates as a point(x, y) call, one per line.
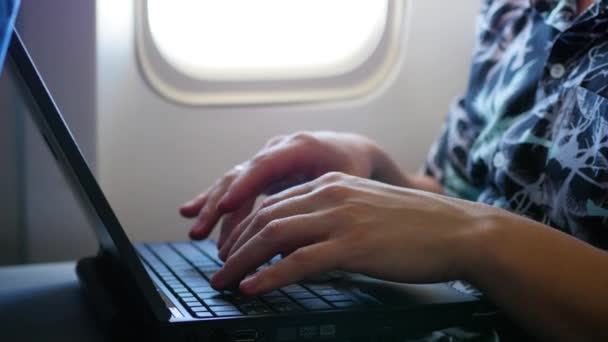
point(40, 219)
point(150, 154)
point(154, 154)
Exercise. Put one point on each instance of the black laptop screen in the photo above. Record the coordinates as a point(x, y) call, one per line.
point(49, 121)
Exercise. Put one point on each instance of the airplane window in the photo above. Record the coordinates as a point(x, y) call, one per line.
point(268, 41)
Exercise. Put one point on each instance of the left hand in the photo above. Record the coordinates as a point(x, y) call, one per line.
point(356, 225)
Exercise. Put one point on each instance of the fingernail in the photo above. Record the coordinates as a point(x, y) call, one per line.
point(194, 235)
point(230, 252)
point(196, 231)
point(188, 204)
point(200, 226)
point(216, 281)
point(222, 254)
point(249, 285)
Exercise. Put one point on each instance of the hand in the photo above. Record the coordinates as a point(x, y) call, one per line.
point(353, 224)
point(283, 162)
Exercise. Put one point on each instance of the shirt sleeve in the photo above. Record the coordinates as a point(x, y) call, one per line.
point(447, 160)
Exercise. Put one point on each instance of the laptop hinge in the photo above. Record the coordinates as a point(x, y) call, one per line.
point(117, 303)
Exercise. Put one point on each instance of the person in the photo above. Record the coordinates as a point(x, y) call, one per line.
point(513, 198)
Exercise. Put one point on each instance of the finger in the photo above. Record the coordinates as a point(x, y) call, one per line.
point(207, 218)
point(230, 221)
point(275, 141)
point(298, 205)
point(209, 215)
point(304, 262)
point(238, 231)
point(263, 170)
point(191, 208)
point(304, 188)
point(234, 235)
point(278, 236)
point(269, 201)
point(297, 190)
point(280, 185)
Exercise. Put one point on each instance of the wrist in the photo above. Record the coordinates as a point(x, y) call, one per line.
point(481, 242)
point(383, 168)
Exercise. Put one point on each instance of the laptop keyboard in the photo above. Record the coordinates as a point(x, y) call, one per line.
point(186, 267)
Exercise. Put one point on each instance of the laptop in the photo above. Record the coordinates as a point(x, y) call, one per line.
point(162, 291)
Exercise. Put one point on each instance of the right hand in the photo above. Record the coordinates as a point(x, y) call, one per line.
point(284, 161)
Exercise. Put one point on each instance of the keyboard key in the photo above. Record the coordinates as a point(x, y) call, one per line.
point(192, 302)
point(196, 283)
point(241, 300)
point(187, 297)
point(274, 259)
point(285, 307)
point(203, 288)
point(199, 309)
point(168, 255)
point(328, 292)
point(314, 304)
point(302, 295)
point(255, 310)
point(209, 274)
point(207, 267)
point(293, 288)
point(318, 287)
point(274, 293)
point(204, 261)
point(250, 304)
point(337, 298)
point(209, 295)
point(278, 300)
point(188, 251)
point(194, 277)
point(217, 302)
point(204, 314)
point(181, 267)
point(346, 304)
point(209, 248)
point(189, 275)
point(224, 308)
point(229, 313)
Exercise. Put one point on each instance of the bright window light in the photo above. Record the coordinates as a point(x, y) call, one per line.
point(266, 39)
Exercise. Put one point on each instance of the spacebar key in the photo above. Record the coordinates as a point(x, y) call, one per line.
point(285, 307)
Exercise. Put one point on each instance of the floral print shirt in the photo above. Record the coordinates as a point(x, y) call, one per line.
point(531, 132)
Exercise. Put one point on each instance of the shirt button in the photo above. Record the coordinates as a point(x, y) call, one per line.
point(557, 71)
point(499, 160)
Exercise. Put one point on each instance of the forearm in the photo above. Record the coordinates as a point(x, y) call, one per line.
point(551, 283)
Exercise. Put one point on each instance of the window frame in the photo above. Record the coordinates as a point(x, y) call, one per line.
point(178, 87)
